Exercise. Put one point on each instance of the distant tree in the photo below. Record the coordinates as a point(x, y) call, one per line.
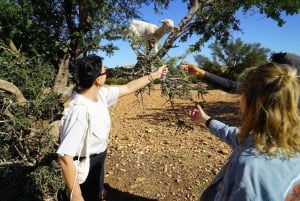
point(207, 64)
point(236, 53)
point(234, 56)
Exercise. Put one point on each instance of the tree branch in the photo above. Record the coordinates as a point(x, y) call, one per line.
point(10, 87)
point(194, 7)
point(67, 4)
point(9, 41)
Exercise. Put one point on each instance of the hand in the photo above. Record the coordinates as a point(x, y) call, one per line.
point(198, 115)
point(161, 72)
point(191, 68)
point(77, 197)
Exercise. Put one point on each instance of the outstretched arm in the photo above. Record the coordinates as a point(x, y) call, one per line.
point(219, 82)
point(136, 84)
point(224, 132)
point(192, 69)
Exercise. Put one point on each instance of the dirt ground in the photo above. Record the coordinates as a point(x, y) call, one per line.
point(151, 158)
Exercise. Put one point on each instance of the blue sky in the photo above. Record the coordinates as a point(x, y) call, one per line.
point(255, 29)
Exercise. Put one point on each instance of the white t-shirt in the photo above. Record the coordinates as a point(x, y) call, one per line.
point(75, 122)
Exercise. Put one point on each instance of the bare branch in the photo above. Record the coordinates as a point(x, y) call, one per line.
point(10, 87)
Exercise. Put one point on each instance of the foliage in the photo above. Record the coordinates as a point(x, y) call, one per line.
point(21, 183)
point(78, 26)
point(236, 53)
point(217, 19)
point(30, 75)
point(47, 181)
point(73, 27)
point(26, 125)
point(116, 81)
point(207, 64)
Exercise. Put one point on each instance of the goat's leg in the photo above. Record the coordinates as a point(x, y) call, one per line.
point(152, 45)
point(134, 48)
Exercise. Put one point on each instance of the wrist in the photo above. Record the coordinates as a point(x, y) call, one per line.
point(201, 72)
point(207, 122)
point(150, 77)
point(154, 75)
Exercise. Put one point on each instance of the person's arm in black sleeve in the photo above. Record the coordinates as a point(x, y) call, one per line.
point(217, 81)
point(220, 82)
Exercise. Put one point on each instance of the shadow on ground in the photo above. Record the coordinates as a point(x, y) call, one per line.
point(227, 112)
point(117, 195)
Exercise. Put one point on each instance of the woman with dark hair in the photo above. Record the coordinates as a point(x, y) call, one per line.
point(230, 85)
point(86, 125)
point(265, 161)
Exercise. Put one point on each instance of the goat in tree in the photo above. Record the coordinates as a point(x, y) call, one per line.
point(141, 32)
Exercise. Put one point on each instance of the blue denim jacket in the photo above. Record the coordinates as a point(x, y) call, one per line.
point(249, 176)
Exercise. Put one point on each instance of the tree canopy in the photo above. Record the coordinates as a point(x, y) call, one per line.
point(56, 27)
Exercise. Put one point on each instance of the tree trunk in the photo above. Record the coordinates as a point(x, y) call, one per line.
point(61, 81)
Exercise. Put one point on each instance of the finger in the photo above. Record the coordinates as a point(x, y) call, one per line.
point(191, 113)
point(194, 111)
point(199, 107)
point(184, 68)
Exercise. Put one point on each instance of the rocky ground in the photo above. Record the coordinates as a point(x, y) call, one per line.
point(151, 158)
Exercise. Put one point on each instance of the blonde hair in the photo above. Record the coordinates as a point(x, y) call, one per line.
point(271, 114)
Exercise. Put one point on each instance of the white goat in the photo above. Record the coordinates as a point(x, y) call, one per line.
point(141, 32)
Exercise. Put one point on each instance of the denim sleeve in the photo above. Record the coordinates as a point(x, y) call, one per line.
point(226, 133)
point(220, 82)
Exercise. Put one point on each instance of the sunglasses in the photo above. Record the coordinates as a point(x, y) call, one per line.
point(100, 74)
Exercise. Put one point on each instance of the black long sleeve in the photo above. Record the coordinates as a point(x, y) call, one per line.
point(231, 86)
point(220, 82)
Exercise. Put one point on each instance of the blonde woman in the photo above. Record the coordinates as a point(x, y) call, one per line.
point(265, 162)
